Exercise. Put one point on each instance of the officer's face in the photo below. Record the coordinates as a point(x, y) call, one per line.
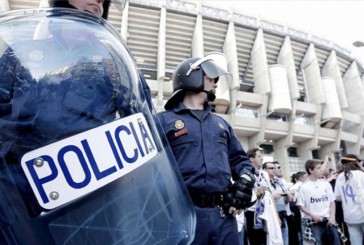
point(93, 6)
point(210, 84)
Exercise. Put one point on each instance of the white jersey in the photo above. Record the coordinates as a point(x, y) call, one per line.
point(271, 218)
point(262, 179)
point(316, 196)
point(348, 193)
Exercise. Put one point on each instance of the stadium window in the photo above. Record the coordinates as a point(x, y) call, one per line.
point(302, 96)
point(349, 126)
point(246, 111)
point(303, 120)
point(267, 149)
point(246, 85)
point(315, 154)
point(343, 147)
point(292, 152)
point(277, 117)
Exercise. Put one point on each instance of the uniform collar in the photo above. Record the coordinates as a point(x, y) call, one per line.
point(181, 107)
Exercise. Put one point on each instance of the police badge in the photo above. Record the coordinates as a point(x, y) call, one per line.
point(179, 124)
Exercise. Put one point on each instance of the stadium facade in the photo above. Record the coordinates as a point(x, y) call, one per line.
point(293, 94)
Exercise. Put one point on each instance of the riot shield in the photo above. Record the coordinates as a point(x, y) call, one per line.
point(81, 158)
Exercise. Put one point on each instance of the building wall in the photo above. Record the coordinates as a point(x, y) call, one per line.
point(319, 112)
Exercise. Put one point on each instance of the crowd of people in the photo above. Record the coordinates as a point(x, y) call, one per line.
point(318, 206)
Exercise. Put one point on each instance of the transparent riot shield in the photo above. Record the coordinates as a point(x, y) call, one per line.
point(81, 159)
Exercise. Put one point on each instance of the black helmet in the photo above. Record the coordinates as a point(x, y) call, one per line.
point(189, 76)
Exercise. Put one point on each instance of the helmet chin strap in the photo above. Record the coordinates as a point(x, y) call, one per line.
point(210, 95)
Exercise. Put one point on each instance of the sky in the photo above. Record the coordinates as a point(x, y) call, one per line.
point(340, 21)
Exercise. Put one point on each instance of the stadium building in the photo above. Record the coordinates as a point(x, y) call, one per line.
point(293, 94)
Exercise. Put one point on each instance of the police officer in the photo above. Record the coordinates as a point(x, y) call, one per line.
point(207, 151)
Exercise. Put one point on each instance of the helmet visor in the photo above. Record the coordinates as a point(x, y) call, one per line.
point(215, 65)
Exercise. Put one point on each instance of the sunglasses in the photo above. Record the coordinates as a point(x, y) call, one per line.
point(270, 168)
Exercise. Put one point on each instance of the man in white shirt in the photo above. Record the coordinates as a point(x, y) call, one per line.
point(317, 202)
point(256, 236)
point(280, 196)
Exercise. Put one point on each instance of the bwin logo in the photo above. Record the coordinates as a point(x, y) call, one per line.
point(324, 198)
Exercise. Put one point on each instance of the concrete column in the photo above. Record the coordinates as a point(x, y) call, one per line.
point(4, 5)
point(197, 38)
point(260, 65)
point(311, 72)
point(329, 150)
point(331, 69)
point(285, 58)
point(304, 151)
point(259, 138)
point(354, 90)
point(279, 98)
point(124, 22)
point(281, 155)
point(161, 60)
point(231, 53)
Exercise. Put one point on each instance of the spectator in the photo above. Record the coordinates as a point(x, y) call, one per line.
point(293, 228)
point(279, 175)
point(317, 202)
point(280, 195)
point(297, 179)
point(349, 190)
point(255, 232)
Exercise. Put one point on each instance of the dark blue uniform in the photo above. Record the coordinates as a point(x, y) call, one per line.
point(208, 155)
